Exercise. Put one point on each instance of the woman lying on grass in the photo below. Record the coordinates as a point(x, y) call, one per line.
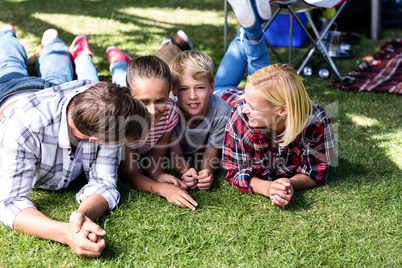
point(277, 139)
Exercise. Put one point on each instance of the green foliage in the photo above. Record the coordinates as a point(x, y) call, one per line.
point(352, 221)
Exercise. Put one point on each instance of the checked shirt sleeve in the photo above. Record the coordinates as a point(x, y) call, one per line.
point(100, 165)
point(19, 151)
point(238, 155)
point(318, 148)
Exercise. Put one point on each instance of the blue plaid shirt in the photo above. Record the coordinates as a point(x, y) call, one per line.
point(35, 152)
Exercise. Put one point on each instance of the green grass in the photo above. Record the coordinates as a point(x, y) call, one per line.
point(352, 221)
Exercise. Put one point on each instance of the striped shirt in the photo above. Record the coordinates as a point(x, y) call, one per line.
point(35, 152)
point(165, 124)
point(247, 152)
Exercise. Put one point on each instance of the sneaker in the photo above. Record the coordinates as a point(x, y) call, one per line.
point(48, 36)
point(244, 12)
point(114, 55)
point(181, 40)
point(263, 9)
point(80, 45)
point(8, 27)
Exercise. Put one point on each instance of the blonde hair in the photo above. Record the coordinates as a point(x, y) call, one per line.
point(281, 85)
point(191, 63)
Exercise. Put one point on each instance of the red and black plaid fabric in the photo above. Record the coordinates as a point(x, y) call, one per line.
point(233, 96)
point(381, 72)
point(246, 150)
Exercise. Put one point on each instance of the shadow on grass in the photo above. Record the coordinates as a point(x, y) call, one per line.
point(368, 124)
point(22, 15)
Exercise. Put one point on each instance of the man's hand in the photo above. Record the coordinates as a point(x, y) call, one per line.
point(178, 196)
point(206, 178)
point(167, 178)
point(85, 239)
point(190, 178)
point(83, 243)
point(280, 192)
point(77, 219)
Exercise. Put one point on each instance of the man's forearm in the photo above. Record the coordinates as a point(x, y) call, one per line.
point(93, 206)
point(34, 222)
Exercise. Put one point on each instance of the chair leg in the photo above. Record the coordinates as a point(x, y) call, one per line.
point(323, 51)
point(311, 49)
point(290, 39)
point(325, 54)
point(225, 28)
point(274, 51)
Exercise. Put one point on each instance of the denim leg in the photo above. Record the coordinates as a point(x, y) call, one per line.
point(54, 65)
point(13, 58)
point(257, 55)
point(119, 72)
point(85, 68)
point(231, 69)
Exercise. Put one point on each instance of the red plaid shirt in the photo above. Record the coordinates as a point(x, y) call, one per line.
point(246, 150)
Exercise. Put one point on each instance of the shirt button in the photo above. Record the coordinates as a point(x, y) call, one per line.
point(71, 158)
point(65, 180)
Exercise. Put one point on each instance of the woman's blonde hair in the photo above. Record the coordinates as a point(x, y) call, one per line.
point(281, 85)
point(191, 63)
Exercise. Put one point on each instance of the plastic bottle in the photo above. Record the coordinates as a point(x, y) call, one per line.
point(308, 69)
point(323, 69)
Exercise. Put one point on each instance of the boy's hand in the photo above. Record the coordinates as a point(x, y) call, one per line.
point(205, 179)
point(190, 178)
point(164, 177)
point(281, 192)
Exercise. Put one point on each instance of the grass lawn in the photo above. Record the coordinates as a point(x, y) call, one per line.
point(352, 221)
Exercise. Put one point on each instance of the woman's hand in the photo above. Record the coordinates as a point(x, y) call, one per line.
point(281, 192)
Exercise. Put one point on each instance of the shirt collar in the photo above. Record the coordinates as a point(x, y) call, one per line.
point(64, 140)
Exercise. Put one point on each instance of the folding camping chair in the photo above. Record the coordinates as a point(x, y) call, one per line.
point(295, 6)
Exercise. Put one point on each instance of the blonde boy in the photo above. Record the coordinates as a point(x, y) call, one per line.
point(202, 118)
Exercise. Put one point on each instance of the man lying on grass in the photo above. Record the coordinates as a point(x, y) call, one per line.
point(52, 136)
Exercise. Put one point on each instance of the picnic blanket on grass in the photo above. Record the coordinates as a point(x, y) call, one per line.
point(381, 72)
